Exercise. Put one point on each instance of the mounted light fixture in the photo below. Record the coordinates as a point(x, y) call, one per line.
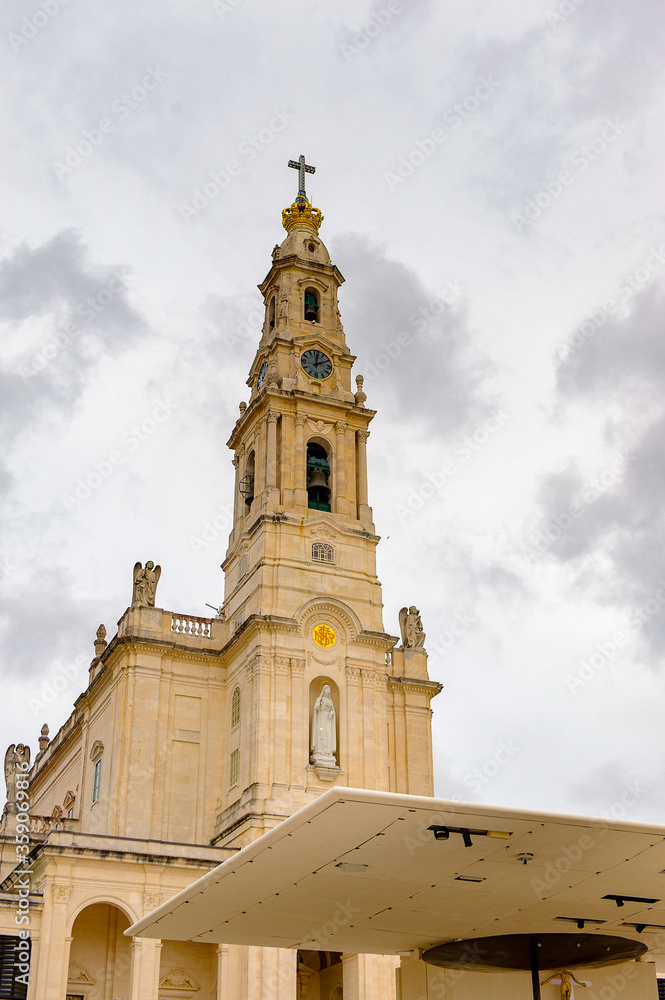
point(620, 899)
point(443, 833)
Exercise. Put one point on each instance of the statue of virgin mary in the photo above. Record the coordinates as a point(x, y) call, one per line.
point(324, 737)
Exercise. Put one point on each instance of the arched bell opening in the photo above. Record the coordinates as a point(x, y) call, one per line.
point(311, 305)
point(318, 476)
point(271, 313)
point(247, 482)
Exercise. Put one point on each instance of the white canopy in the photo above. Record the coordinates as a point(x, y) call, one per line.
point(360, 871)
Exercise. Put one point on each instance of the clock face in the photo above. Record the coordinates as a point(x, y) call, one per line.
point(317, 364)
point(263, 371)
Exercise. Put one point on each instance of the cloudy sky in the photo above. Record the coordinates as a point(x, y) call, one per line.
point(491, 180)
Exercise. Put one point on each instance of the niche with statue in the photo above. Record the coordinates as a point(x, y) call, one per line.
point(324, 723)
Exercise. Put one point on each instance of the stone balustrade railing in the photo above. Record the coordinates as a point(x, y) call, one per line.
point(190, 625)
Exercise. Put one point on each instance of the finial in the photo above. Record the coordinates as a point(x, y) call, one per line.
point(242, 407)
point(360, 396)
point(100, 641)
point(43, 739)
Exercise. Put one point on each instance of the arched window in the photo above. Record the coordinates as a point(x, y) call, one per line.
point(247, 482)
point(323, 552)
point(311, 305)
point(318, 477)
point(271, 314)
point(235, 708)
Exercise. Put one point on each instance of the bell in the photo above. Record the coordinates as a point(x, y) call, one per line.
point(317, 478)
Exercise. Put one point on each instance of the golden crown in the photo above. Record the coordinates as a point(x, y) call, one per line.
point(301, 213)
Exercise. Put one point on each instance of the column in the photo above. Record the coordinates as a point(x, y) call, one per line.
point(271, 450)
point(364, 511)
point(351, 754)
point(300, 463)
point(223, 989)
point(236, 489)
point(48, 976)
point(299, 724)
point(367, 977)
point(144, 975)
point(259, 461)
point(339, 470)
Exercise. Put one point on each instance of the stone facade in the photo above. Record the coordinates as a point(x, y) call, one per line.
point(194, 735)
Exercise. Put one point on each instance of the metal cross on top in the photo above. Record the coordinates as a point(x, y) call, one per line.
point(302, 169)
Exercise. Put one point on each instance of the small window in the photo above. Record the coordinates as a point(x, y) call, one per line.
point(322, 552)
point(235, 708)
point(95, 785)
point(243, 567)
point(271, 314)
point(311, 305)
point(70, 813)
point(233, 768)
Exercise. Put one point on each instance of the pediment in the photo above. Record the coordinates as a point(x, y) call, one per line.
point(178, 979)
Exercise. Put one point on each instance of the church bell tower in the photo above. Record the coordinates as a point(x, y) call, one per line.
point(302, 598)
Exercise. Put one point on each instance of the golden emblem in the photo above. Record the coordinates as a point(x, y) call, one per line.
point(301, 213)
point(324, 636)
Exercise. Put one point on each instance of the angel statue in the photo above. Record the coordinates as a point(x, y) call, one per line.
point(566, 979)
point(411, 627)
point(145, 584)
point(16, 757)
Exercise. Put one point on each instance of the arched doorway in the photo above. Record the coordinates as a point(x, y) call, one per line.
point(100, 956)
point(319, 975)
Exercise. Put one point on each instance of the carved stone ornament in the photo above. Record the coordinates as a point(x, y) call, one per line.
point(77, 974)
point(320, 426)
point(178, 979)
point(360, 396)
point(151, 900)
point(61, 893)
